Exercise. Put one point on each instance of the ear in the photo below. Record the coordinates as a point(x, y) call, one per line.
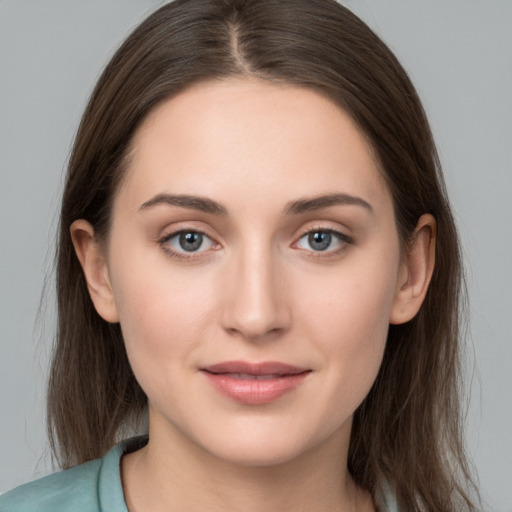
point(415, 271)
point(94, 264)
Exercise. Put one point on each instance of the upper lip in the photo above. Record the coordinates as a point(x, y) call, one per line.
point(263, 368)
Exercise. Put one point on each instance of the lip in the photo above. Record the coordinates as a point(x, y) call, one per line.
point(254, 383)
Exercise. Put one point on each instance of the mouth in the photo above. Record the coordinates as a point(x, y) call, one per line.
point(254, 383)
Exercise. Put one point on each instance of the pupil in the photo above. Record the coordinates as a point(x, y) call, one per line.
point(191, 241)
point(320, 241)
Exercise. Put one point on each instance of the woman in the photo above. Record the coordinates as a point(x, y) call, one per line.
point(257, 251)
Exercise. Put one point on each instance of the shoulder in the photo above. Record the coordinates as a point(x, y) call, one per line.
point(91, 487)
point(73, 489)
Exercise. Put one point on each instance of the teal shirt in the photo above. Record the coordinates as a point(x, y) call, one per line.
point(93, 487)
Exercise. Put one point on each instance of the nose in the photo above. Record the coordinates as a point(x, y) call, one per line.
point(255, 305)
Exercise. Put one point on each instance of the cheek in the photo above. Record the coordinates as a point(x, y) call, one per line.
point(353, 302)
point(348, 319)
point(353, 339)
point(161, 314)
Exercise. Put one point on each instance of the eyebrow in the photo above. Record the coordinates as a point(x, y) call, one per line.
point(325, 201)
point(202, 204)
point(206, 205)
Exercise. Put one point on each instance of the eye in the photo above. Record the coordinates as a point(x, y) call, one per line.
point(323, 240)
point(187, 242)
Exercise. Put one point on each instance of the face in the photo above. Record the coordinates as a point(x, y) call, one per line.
point(254, 266)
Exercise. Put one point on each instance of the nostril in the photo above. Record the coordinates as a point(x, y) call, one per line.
point(256, 327)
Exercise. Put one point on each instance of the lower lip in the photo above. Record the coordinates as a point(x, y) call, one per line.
point(254, 391)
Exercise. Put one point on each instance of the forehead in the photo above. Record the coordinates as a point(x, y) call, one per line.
point(227, 139)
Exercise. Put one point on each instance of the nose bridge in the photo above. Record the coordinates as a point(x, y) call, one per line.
point(256, 304)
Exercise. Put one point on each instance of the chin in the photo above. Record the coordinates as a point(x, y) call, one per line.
point(259, 454)
point(266, 447)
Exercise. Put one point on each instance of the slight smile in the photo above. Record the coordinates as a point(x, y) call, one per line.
point(255, 383)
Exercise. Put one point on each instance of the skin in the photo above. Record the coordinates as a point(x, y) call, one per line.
point(256, 290)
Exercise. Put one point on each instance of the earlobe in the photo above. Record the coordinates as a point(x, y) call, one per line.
point(415, 271)
point(94, 265)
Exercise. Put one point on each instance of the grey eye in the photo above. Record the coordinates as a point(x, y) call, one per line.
point(190, 241)
point(319, 240)
point(326, 240)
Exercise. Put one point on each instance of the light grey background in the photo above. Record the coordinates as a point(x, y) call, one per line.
point(459, 54)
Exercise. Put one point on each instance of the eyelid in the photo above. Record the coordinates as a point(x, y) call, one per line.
point(343, 238)
point(184, 255)
point(325, 228)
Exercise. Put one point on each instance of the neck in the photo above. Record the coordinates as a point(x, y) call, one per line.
point(175, 474)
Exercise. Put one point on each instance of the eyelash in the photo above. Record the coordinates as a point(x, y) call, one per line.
point(189, 256)
point(343, 239)
point(184, 256)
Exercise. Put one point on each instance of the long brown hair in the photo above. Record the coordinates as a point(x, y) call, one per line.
point(407, 432)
